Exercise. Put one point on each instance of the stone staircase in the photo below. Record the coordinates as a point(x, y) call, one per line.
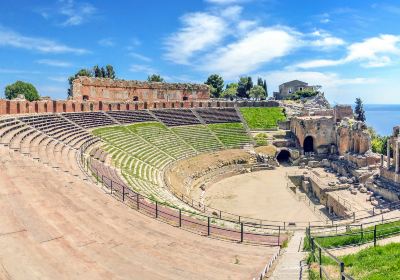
point(290, 265)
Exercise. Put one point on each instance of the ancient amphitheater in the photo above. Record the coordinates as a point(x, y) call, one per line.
point(177, 193)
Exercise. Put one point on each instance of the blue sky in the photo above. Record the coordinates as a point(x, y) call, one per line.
point(351, 48)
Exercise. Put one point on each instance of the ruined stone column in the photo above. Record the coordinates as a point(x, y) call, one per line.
point(388, 154)
point(397, 157)
point(381, 160)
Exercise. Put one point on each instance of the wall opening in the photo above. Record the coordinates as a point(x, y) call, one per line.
point(283, 156)
point(82, 107)
point(45, 107)
point(91, 107)
point(155, 105)
point(172, 105)
point(185, 98)
point(73, 107)
point(136, 107)
point(109, 107)
point(119, 107)
point(27, 108)
point(145, 105)
point(308, 144)
point(18, 108)
point(64, 108)
point(127, 107)
point(85, 97)
point(135, 98)
point(36, 107)
point(163, 105)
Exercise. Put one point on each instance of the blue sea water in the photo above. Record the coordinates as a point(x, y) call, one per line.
point(382, 117)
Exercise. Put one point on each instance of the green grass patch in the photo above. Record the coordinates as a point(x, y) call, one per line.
point(263, 118)
point(357, 236)
point(261, 139)
point(374, 263)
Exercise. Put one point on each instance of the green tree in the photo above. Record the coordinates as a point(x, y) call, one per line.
point(103, 73)
point(230, 92)
point(260, 82)
point(110, 72)
point(82, 72)
point(155, 78)
point(257, 92)
point(265, 88)
point(359, 112)
point(97, 71)
point(216, 84)
point(23, 88)
point(244, 87)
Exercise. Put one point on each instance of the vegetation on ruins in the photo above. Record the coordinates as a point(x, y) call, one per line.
point(378, 142)
point(232, 135)
point(261, 139)
point(359, 112)
point(21, 88)
point(303, 94)
point(216, 84)
point(155, 78)
point(263, 118)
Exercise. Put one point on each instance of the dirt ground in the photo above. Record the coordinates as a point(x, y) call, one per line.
point(261, 195)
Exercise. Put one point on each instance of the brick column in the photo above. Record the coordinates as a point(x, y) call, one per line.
point(388, 154)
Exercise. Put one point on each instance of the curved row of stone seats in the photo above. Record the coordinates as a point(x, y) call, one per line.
point(176, 117)
point(90, 119)
point(127, 140)
point(65, 228)
point(127, 117)
point(232, 135)
point(164, 139)
point(8, 126)
point(199, 137)
point(59, 128)
point(218, 115)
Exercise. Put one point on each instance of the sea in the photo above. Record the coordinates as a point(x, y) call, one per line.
point(382, 117)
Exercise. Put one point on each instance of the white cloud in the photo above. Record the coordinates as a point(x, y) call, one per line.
point(225, 2)
point(10, 38)
point(76, 13)
point(60, 79)
point(55, 63)
point(106, 42)
point(247, 54)
point(140, 56)
point(142, 69)
point(325, 41)
point(372, 52)
point(199, 32)
point(376, 51)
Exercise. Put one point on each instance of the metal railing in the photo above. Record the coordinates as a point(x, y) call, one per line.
point(190, 220)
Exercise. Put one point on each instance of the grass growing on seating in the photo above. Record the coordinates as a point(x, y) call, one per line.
point(137, 126)
point(263, 118)
point(357, 236)
point(231, 134)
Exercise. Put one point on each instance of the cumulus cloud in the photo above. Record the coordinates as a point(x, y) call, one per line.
point(199, 32)
point(325, 41)
point(9, 38)
point(372, 52)
point(247, 54)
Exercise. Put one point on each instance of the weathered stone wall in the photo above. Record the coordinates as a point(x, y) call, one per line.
point(342, 111)
point(353, 137)
point(13, 107)
point(95, 89)
point(321, 129)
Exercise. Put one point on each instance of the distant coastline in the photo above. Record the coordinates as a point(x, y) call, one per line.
point(383, 117)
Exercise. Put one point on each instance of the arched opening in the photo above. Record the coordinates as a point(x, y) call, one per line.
point(136, 107)
point(201, 104)
point(155, 105)
point(109, 107)
point(45, 107)
point(27, 108)
point(127, 107)
point(64, 108)
point(36, 107)
point(135, 98)
point(163, 105)
point(172, 105)
point(73, 107)
point(119, 107)
point(145, 105)
point(85, 97)
point(18, 108)
point(82, 107)
point(308, 144)
point(185, 98)
point(91, 107)
point(283, 156)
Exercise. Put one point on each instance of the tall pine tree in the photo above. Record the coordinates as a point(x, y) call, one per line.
point(359, 112)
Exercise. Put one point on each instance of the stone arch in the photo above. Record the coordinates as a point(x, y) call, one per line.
point(27, 107)
point(283, 156)
point(91, 106)
point(64, 108)
point(308, 144)
point(36, 107)
point(145, 105)
point(45, 107)
point(127, 106)
point(73, 107)
point(18, 108)
point(136, 107)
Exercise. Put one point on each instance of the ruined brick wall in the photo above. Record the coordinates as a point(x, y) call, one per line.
point(95, 89)
point(13, 107)
point(353, 137)
point(321, 129)
point(343, 111)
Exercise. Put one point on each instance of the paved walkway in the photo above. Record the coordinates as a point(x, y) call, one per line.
point(288, 267)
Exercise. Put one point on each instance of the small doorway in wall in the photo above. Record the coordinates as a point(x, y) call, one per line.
point(308, 144)
point(135, 98)
point(283, 157)
point(85, 97)
point(185, 98)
